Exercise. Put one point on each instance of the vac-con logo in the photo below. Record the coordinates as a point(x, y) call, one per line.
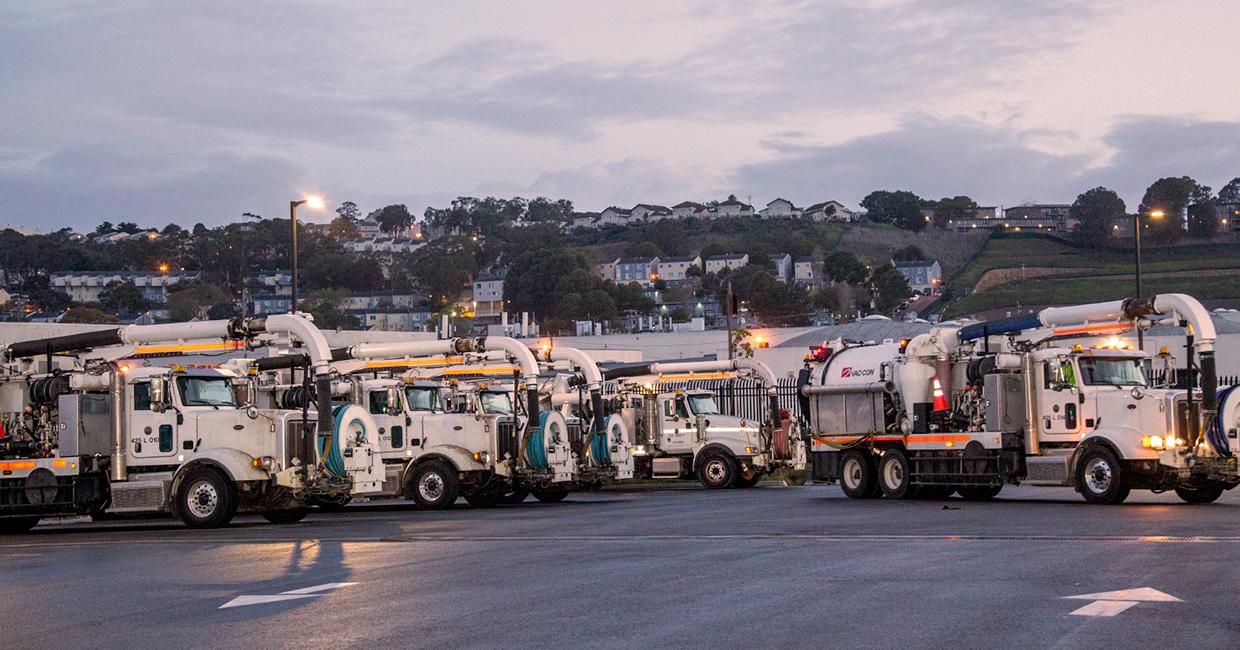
point(860, 372)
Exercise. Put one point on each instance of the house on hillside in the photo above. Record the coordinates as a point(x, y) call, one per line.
point(924, 276)
point(803, 271)
point(648, 212)
point(828, 211)
point(783, 267)
point(584, 220)
point(1228, 215)
point(686, 209)
point(717, 263)
point(488, 298)
point(637, 269)
point(606, 270)
point(780, 208)
point(676, 269)
point(86, 286)
point(733, 208)
point(614, 216)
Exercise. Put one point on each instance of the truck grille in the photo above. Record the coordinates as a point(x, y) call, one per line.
point(506, 442)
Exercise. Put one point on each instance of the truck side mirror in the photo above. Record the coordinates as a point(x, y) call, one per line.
point(159, 395)
point(393, 401)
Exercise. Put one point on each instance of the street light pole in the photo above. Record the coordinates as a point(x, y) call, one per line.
point(1136, 232)
point(315, 203)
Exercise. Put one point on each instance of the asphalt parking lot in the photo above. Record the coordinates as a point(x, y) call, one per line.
point(768, 567)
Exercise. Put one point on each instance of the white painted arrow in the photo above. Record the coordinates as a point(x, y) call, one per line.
point(294, 594)
point(1110, 603)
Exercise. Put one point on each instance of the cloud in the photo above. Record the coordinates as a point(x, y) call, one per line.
point(997, 164)
point(81, 187)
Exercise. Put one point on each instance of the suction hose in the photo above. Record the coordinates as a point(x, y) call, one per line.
point(1215, 434)
point(536, 446)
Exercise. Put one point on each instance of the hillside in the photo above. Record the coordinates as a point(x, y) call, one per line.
point(1032, 270)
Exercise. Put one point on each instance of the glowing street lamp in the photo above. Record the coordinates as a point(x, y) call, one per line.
point(314, 203)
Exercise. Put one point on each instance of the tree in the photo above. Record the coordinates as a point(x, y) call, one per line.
point(88, 315)
point(342, 228)
point(900, 208)
point(956, 208)
point(349, 212)
point(123, 297)
point(105, 228)
point(544, 209)
point(324, 306)
point(127, 227)
point(1171, 197)
point(843, 266)
point(198, 300)
point(889, 287)
point(394, 218)
point(38, 289)
point(1094, 211)
point(642, 249)
point(909, 253)
point(1230, 192)
point(1202, 220)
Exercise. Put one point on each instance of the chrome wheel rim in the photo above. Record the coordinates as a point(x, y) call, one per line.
point(716, 471)
point(430, 486)
point(1098, 475)
point(203, 499)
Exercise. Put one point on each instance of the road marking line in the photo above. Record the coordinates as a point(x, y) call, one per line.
point(292, 594)
point(1104, 608)
point(1140, 594)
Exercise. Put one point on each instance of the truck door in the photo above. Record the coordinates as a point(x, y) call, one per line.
point(390, 416)
point(677, 426)
point(1061, 399)
point(152, 429)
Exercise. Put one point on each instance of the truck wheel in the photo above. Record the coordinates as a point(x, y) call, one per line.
point(744, 483)
point(483, 498)
point(285, 516)
point(550, 496)
point(1208, 493)
point(518, 495)
point(717, 470)
point(979, 492)
point(858, 475)
point(434, 485)
point(1099, 477)
point(893, 475)
point(206, 499)
point(15, 525)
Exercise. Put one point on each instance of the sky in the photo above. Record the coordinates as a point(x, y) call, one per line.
point(186, 112)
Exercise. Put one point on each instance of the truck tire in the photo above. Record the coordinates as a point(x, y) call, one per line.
point(291, 516)
point(745, 483)
point(17, 525)
point(434, 485)
point(1208, 493)
point(205, 499)
point(1100, 477)
point(979, 492)
point(859, 475)
point(893, 475)
point(483, 498)
point(516, 496)
point(550, 496)
point(717, 470)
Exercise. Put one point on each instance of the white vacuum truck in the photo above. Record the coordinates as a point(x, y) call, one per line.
point(684, 433)
point(969, 409)
point(96, 434)
point(444, 440)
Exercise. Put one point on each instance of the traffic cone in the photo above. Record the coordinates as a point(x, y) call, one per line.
point(940, 400)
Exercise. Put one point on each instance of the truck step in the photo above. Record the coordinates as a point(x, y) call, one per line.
point(665, 467)
point(139, 496)
point(1048, 470)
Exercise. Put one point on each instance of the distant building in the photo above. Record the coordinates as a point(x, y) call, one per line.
point(265, 303)
point(378, 300)
point(86, 286)
point(278, 283)
point(584, 220)
point(383, 245)
point(1228, 215)
point(828, 211)
point(676, 269)
point(780, 208)
point(733, 208)
point(393, 320)
point(606, 270)
point(648, 212)
point(924, 276)
point(488, 296)
point(803, 270)
point(614, 216)
point(637, 269)
point(687, 209)
point(783, 266)
point(717, 263)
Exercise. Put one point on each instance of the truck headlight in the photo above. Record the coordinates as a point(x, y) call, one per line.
point(482, 457)
point(266, 463)
point(751, 450)
point(1159, 442)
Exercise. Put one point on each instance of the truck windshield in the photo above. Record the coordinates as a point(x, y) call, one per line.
point(421, 398)
point(206, 391)
point(496, 403)
point(1112, 372)
point(703, 405)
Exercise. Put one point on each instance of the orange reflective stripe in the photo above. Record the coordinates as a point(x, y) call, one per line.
point(1091, 329)
point(192, 347)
